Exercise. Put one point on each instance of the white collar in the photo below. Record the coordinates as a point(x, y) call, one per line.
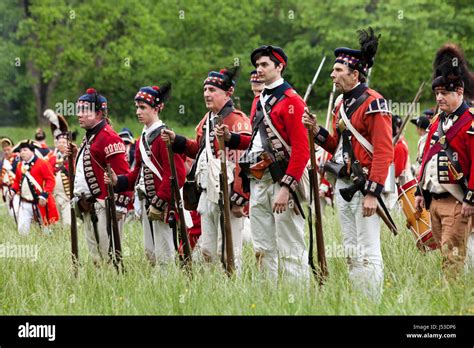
point(156, 125)
point(275, 84)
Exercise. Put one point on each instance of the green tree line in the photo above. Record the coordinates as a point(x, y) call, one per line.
point(52, 50)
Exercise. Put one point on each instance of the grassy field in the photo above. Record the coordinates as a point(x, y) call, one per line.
point(45, 284)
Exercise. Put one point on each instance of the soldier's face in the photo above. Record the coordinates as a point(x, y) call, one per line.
point(257, 88)
point(215, 98)
point(61, 144)
point(7, 150)
point(87, 117)
point(343, 79)
point(26, 154)
point(145, 113)
point(267, 71)
point(448, 101)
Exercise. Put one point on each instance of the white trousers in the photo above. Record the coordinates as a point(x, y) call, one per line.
point(361, 237)
point(210, 241)
point(25, 217)
point(159, 245)
point(278, 239)
point(99, 249)
point(64, 208)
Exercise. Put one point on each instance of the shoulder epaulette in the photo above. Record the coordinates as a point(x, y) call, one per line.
point(378, 105)
point(471, 130)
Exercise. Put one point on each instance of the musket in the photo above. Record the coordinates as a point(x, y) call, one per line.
point(321, 272)
point(12, 206)
point(177, 204)
point(359, 185)
point(328, 119)
point(310, 86)
point(409, 114)
point(74, 243)
point(225, 204)
point(111, 208)
point(368, 77)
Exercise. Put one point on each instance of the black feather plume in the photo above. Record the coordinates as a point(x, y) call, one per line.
point(451, 64)
point(231, 75)
point(165, 91)
point(368, 45)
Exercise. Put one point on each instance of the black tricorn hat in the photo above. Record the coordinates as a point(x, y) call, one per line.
point(30, 144)
point(421, 122)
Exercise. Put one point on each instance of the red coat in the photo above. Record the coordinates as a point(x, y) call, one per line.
point(400, 156)
point(286, 116)
point(153, 184)
point(462, 144)
point(238, 122)
point(372, 120)
point(42, 173)
point(104, 147)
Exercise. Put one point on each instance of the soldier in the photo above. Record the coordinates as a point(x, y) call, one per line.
point(43, 151)
point(446, 184)
point(130, 146)
point(256, 84)
point(34, 184)
point(8, 168)
point(151, 175)
point(100, 146)
point(218, 89)
point(276, 155)
point(60, 165)
point(400, 154)
point(422, 123)
point(369, 141)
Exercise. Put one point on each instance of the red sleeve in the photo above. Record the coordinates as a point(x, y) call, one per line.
point(164, 191)
point(52, 161)
point(16, 182)
point(48, 177)
point(298, 137)
point(120, 166)
point(380, 127)
point(400, 158)
point(192, 147)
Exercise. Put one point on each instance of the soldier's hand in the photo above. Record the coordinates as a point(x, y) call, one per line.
point(112, 180)
point(238, 211)
point(167, 135)
point(71, 149)
point(467, 209)
point(281, 201)
point(223, 130)
point(369, 205)
point(42, 202)
point(310, 121)
point(419, 203)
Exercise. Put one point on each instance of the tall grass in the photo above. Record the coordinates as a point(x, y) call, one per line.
point(413, 283)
